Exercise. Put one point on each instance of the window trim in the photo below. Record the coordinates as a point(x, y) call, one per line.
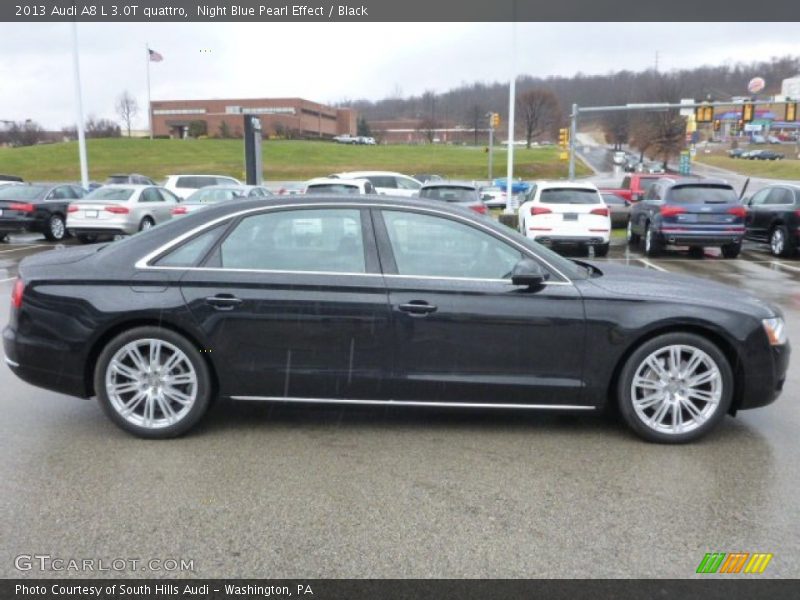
point(144, 262)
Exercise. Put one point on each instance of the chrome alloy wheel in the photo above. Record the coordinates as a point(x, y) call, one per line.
point(151, 383)
point(676, 389)
point(777, 242)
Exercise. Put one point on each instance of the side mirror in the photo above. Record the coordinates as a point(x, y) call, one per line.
point(527, 272)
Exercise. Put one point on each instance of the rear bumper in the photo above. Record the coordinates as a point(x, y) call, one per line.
point(683, 237)
point(102, 226)
point(19, 225)
point(97, 231)
point(555, 240)
point(61, 373)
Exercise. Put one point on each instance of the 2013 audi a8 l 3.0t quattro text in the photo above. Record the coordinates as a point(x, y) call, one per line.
point(374, 300)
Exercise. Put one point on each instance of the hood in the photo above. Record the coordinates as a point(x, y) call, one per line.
point(636, 282)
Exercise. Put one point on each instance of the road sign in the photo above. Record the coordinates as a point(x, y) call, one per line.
point(685, 163)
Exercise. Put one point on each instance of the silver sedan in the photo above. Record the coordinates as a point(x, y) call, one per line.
point(213, 194)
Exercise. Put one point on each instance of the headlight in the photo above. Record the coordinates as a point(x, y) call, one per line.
point(776, 331)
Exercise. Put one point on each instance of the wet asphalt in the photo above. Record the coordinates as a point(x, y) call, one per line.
point(264, 490)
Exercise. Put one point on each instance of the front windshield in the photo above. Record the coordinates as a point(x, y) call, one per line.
point(109, 193)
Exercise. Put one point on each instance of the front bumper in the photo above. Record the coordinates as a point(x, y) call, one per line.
point(764, 376)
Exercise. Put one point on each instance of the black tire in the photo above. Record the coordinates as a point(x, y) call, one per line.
point(202, 371)
point(696, 252)
point(780, 241)
point(146, 223)
point(3, 238)
point(86, 238)
point(630, 236)
point(653, 246)
point(56, 229)
point(625, 395)
point(602, 250)
point(731, 250)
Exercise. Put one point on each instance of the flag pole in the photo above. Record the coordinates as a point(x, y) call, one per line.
point(79, 109)
point(149, 109)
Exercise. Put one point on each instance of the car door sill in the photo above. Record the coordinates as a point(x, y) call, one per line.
point(414, 403)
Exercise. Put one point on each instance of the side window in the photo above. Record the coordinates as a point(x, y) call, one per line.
point(626, 182)
point(150, 195)
point(407, 184)
point(429, 246)
point(186, 182)
point(652, 193)
point(780, 196)
point(759, 197)
point(188, 253)
point(383, 182)
point(325, 240)
point(168, 196)
point(205, 181)
point(369, 188)
point(223, 181)
point(60, 193)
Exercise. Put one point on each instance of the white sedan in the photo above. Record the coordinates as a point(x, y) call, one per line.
point(567, 213)
point(386, 182)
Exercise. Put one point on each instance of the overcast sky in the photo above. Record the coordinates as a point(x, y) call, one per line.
point(329, 62)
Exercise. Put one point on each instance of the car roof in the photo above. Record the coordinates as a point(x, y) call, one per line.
point(560, 183)
point(134, 186)
point(357, 174)
point(693, 180)
point(448, 183)
point(231, 186)
point(201, 175)
point(336, 181)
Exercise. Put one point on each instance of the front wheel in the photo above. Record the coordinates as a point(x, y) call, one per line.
point(731, 250)
point(630, 236)
point(147, 223)
point(152, 382)
point(675, 388)
point(56, 229)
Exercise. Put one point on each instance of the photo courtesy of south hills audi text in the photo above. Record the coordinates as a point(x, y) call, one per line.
point(208, 11)
point(158, 590)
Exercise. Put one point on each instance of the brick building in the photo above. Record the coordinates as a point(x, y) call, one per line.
point(415, 131)
point(293, 117)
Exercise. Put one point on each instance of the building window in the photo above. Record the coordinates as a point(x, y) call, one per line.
point(179, 111)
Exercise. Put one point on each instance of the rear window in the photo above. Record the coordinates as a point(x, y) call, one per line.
point(613, 199)
point(117, 179)
point(449, 194)
point(210, 196)
point(332, 188)
point(113, 194)
point(195, 182)
point(702, 194)
point(22, 192)
point(569, 196)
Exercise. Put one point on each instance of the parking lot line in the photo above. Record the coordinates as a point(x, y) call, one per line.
point(780, 264)
point(23, 248)
point(651, 265)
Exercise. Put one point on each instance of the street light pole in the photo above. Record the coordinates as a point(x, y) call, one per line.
point(573, 129)
point(511, 205)
point(79, 108)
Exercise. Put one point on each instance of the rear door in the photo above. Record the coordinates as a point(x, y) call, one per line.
point(293, 305)
point(462, 332)
point(757, 219)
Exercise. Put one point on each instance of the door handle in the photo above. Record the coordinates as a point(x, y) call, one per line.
point(224, 301)
point(417, 307)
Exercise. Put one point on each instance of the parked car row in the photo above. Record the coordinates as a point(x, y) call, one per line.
point(755, 154)
point(360, 139)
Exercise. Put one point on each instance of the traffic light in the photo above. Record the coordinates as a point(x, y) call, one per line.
point(704, 114)
point(494, 120)
point(748, 112)
point(563, 137)
point(717, 124)
point(791, 112)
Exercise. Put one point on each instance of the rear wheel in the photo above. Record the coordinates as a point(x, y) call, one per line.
point(630, 236)
point(696, 252)
point(602, 249)
point(652, 245)
point(3, 238)
point(147, 223)
point(675, 388)
point(152, 382)
point(86, 238)
point(731, 250)
point(56, 228)
point(780, 242)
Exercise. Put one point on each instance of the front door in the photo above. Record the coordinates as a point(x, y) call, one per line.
point(294, 306)
point(462, 332)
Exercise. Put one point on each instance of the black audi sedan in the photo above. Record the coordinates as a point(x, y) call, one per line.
point(40, 208)
point(380, 301)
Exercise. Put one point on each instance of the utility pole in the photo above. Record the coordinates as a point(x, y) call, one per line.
point(79, 108)
point(573, 129)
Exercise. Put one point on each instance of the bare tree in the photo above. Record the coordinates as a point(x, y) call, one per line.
point(476, 115)
point(617, 128)
point(539, 112)
point(428, 127)
point(24, 133)
point(127, 108)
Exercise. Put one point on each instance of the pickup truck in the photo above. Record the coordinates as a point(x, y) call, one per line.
point(635, 185)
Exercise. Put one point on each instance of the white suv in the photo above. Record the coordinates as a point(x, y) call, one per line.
point(566, 212)
point(185, 185)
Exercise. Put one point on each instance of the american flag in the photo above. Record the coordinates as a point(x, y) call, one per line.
point(154, 56)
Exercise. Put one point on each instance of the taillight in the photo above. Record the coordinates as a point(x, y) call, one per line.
point(118, 210)
point(671, 211)
point(179, 210)
point(16, 293)
point(282, 191)
point(72, 208)
point(739, 211)
point(603, 212)
point(539, 210)
point(21, 206)
point(479, 208)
